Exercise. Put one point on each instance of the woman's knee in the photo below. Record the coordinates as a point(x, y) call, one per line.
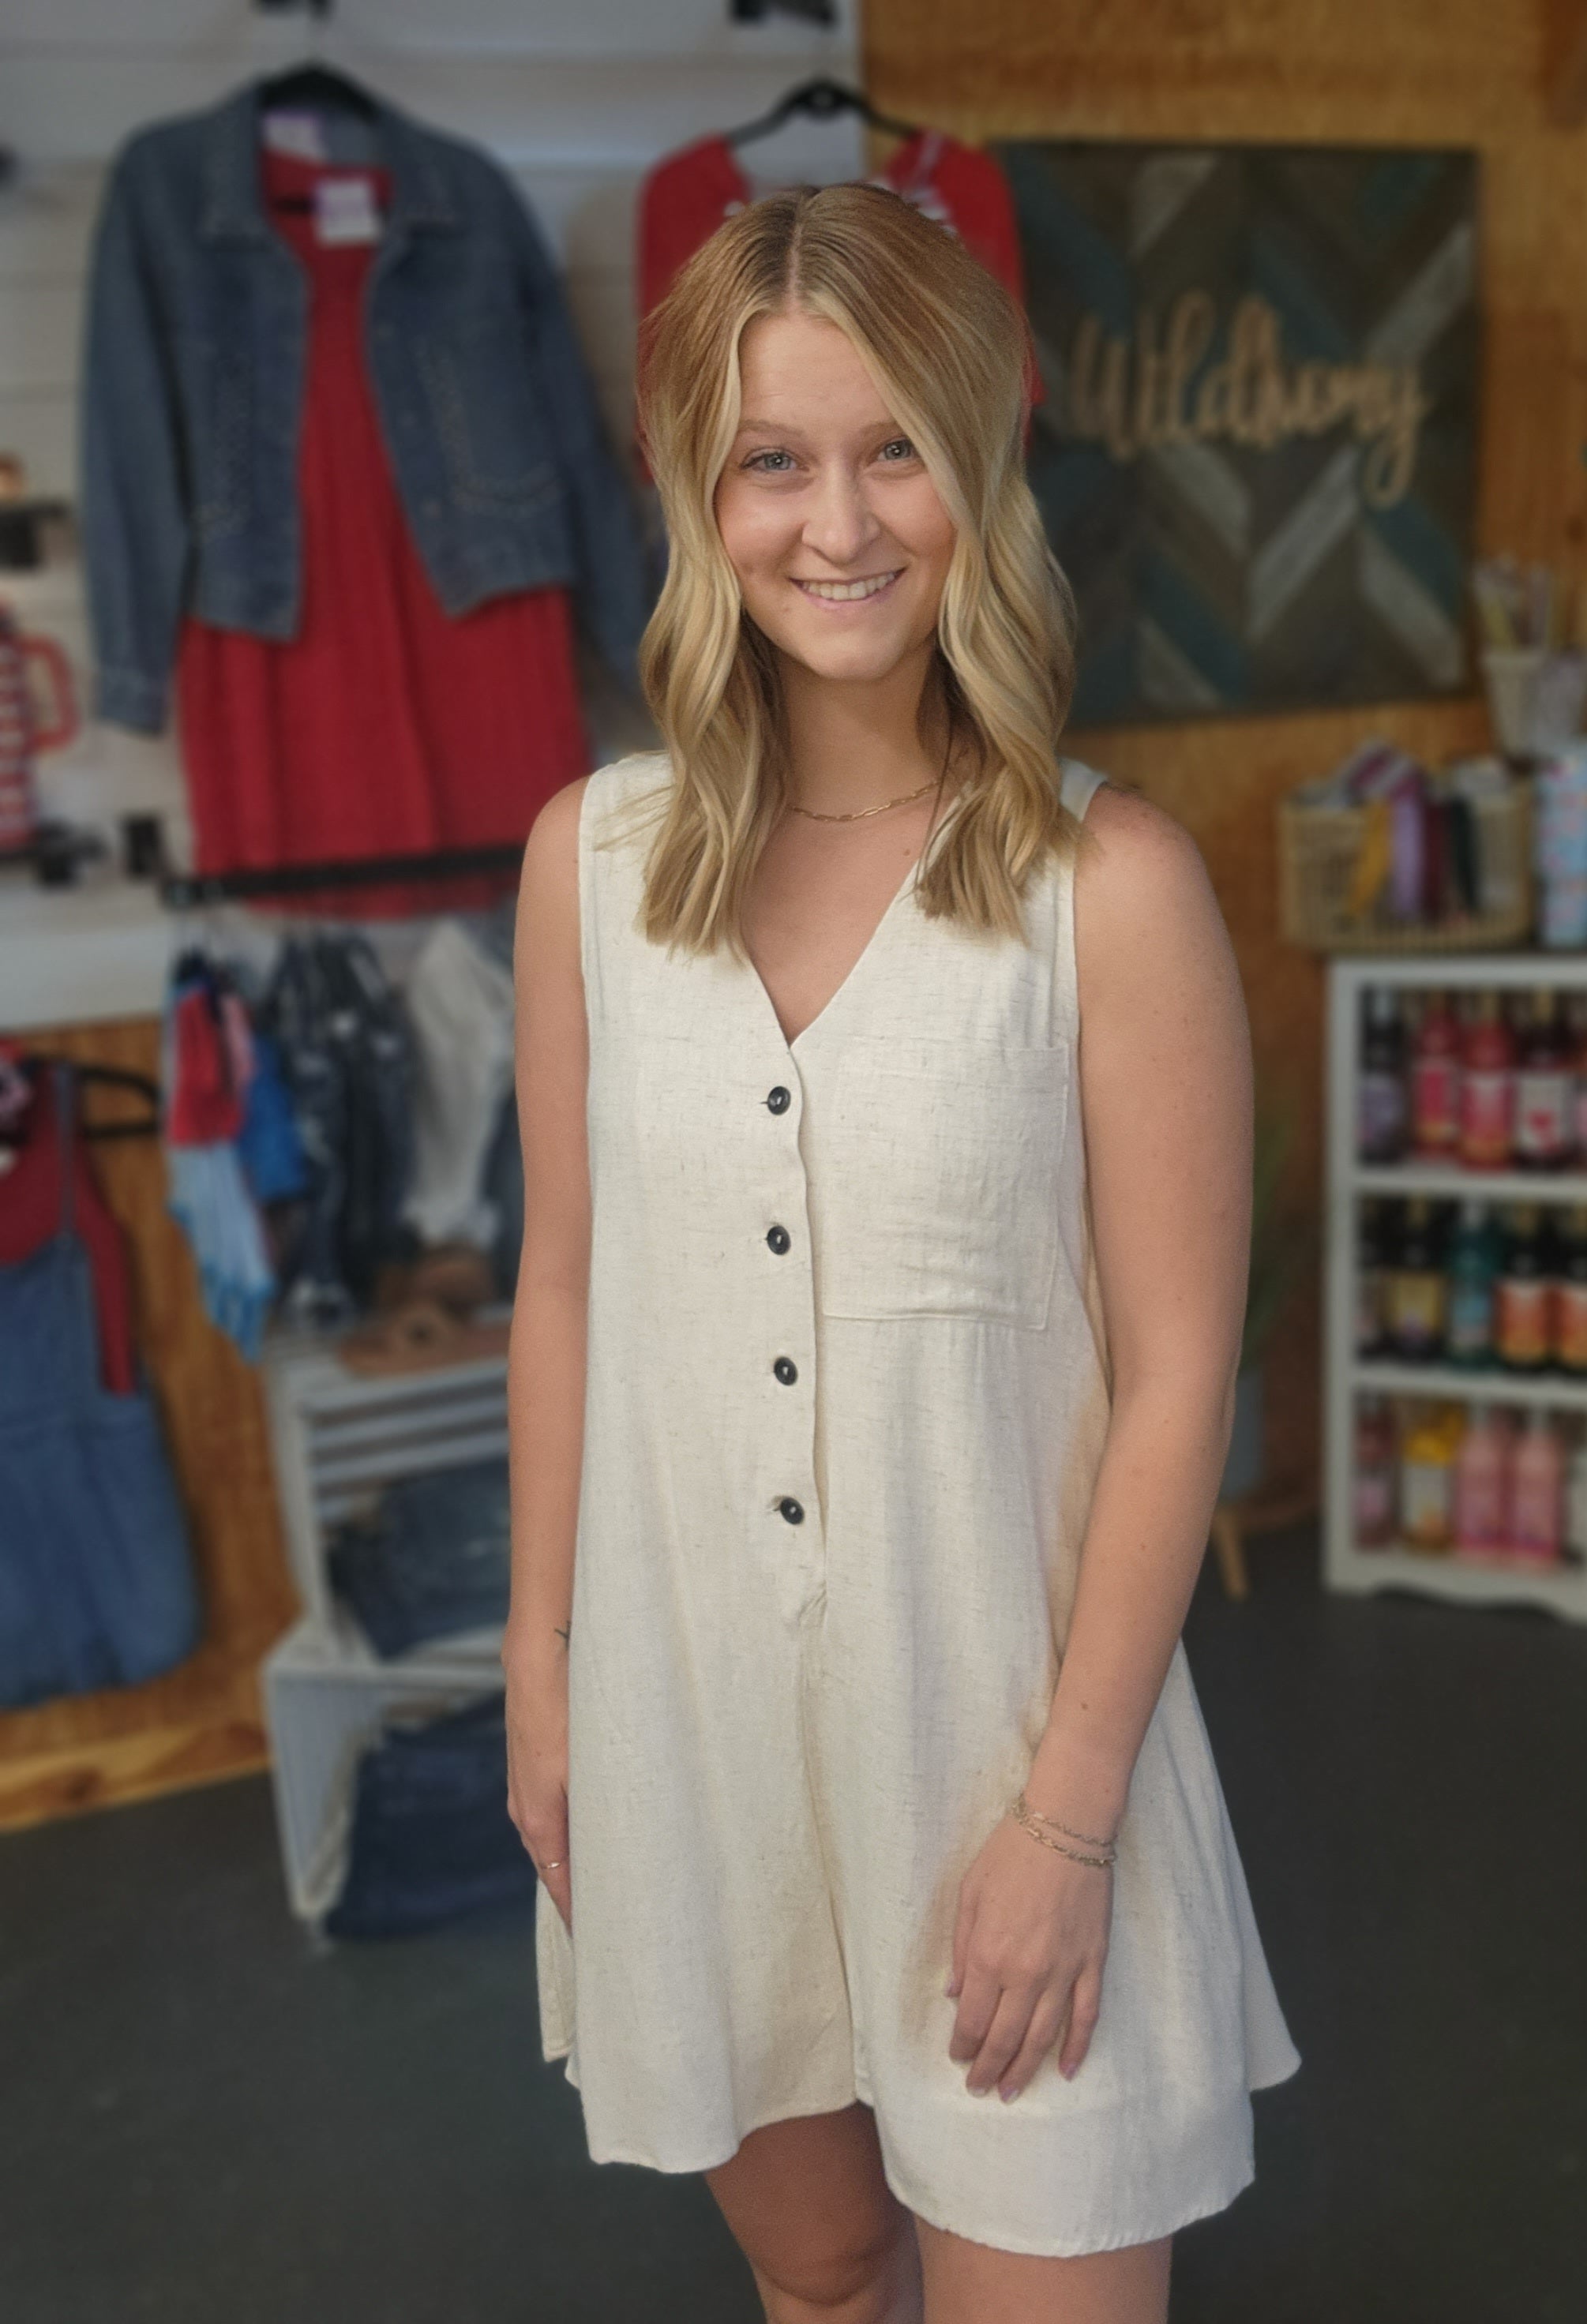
point(808, 2204)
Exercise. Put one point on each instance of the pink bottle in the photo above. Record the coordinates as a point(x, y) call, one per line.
point(1483, 1484)
point(1537, 1501)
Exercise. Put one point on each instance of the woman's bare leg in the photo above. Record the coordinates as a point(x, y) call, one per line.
point(828, 2240)
point(973, 2283)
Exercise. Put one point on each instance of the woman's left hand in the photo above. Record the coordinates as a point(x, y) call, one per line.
point(1029, 1943)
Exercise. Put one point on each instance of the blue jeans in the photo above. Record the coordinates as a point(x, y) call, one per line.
point(435, 1559)
point(431, 1836)
point(97, 1585)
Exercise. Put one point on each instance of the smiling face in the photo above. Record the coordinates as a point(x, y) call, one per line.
point(837, 535)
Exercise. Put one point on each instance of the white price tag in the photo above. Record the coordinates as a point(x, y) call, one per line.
point(344, 210)
point(298, 134)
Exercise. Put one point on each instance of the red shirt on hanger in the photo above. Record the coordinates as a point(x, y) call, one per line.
point(687, 197)
point(384, 727)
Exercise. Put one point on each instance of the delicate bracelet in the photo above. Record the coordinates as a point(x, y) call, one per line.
point(1092, 1838)
point(1026, 1816)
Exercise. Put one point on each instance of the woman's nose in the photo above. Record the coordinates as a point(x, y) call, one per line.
point(841, 522)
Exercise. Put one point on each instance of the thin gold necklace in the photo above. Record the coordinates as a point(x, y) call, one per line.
point(860, 813)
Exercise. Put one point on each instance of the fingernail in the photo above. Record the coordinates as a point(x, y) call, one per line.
point(1007, 2091)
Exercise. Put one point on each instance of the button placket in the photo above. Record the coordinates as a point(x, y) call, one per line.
point(787, 1238)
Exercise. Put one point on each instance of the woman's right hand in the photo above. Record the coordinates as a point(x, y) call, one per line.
point(537, 1769)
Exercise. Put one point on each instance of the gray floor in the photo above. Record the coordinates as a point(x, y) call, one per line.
point(205, 2120)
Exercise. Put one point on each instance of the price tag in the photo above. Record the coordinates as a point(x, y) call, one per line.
point(298, 134)
point(345, 210)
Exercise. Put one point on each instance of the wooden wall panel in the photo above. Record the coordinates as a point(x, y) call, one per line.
point(203, 1718)
point(1414, 72)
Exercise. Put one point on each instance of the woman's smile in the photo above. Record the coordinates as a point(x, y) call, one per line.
point(842, 594)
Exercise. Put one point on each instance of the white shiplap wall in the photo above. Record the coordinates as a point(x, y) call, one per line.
point(577, 98)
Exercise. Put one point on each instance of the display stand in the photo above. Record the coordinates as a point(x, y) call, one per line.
point(336, 1438)
point(1346, 1567)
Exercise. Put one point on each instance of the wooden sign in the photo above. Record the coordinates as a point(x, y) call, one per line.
point(1256, 458)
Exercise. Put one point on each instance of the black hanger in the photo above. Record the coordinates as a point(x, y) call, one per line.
point(822, 98)
point(34, 1062)
point(310, 84)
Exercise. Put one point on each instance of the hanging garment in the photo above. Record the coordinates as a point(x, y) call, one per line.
point(460, 1006)
point(194, 372)
point(30, 1207)
point(689, 194)
point(207, 1075)
point(97, 1585)
point(385, 726)
point(345, 1049)
point(847, 1393)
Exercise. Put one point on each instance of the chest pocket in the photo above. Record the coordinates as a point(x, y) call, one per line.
point(939, 1179)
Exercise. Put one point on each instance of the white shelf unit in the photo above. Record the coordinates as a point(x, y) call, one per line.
point(338, 1438)
point(1562, 1590)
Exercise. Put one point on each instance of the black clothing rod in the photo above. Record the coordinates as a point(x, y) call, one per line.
point(183, 890)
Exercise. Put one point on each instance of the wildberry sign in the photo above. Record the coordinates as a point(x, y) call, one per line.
point(1256, 457)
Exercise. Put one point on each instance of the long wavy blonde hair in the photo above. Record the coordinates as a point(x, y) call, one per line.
point(946, 346)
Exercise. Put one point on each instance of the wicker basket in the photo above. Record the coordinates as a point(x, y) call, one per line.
point(1317, 849)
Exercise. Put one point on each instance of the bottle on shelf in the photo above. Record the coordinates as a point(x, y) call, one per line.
point(1545, 1088)
point(1488, 1086)
point(1381, 1124)
point(1427, 1482)
point(1575, 1547)
point(1523, 1306)
point(1568, 1334)
point(1536, 1526)
point(1373, 1464)
point(1576, 1033)
point(1417, 1284)
point(1371, 1278)
point(1482, 1483)
point(1471, 1286)
point(1436, 1081)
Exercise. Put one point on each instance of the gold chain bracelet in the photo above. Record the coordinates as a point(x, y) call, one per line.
point(1026, 1815)
point(1092, 1838)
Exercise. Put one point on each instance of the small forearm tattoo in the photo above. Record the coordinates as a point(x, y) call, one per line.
point(562, 1632)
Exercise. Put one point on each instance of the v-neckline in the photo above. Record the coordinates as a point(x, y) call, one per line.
point(872, 941)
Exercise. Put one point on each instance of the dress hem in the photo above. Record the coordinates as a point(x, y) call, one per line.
point(1201, 2207)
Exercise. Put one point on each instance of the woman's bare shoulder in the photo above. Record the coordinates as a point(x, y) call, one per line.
point(1144, 868)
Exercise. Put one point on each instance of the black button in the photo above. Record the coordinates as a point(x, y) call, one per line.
point(792, 1511)
point(778, 1238)
point(786, 1370)
point(779, 1099)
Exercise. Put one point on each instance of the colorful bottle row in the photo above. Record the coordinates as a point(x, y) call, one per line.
point(1483, 1080)
point(1474, 1283)
point(1469, 1481)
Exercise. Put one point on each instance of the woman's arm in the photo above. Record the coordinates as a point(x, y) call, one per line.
point(1166, 1090)
point(1165, 1093)
point(546, 1349)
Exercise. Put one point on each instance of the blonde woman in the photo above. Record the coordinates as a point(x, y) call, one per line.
point(874, 1349)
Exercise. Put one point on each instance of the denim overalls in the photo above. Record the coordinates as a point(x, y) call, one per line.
point(97, 1585)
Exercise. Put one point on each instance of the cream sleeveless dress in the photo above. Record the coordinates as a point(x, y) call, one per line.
point(847, 1390)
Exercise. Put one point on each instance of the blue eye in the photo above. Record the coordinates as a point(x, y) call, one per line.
point(756, 457)
point(908, 448)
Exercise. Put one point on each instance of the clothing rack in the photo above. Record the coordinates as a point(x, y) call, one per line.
point(184, 890)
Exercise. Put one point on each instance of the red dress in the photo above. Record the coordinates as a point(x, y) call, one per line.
point(385, 726)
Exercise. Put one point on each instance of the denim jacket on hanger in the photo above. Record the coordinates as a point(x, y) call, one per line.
point(194, 376)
